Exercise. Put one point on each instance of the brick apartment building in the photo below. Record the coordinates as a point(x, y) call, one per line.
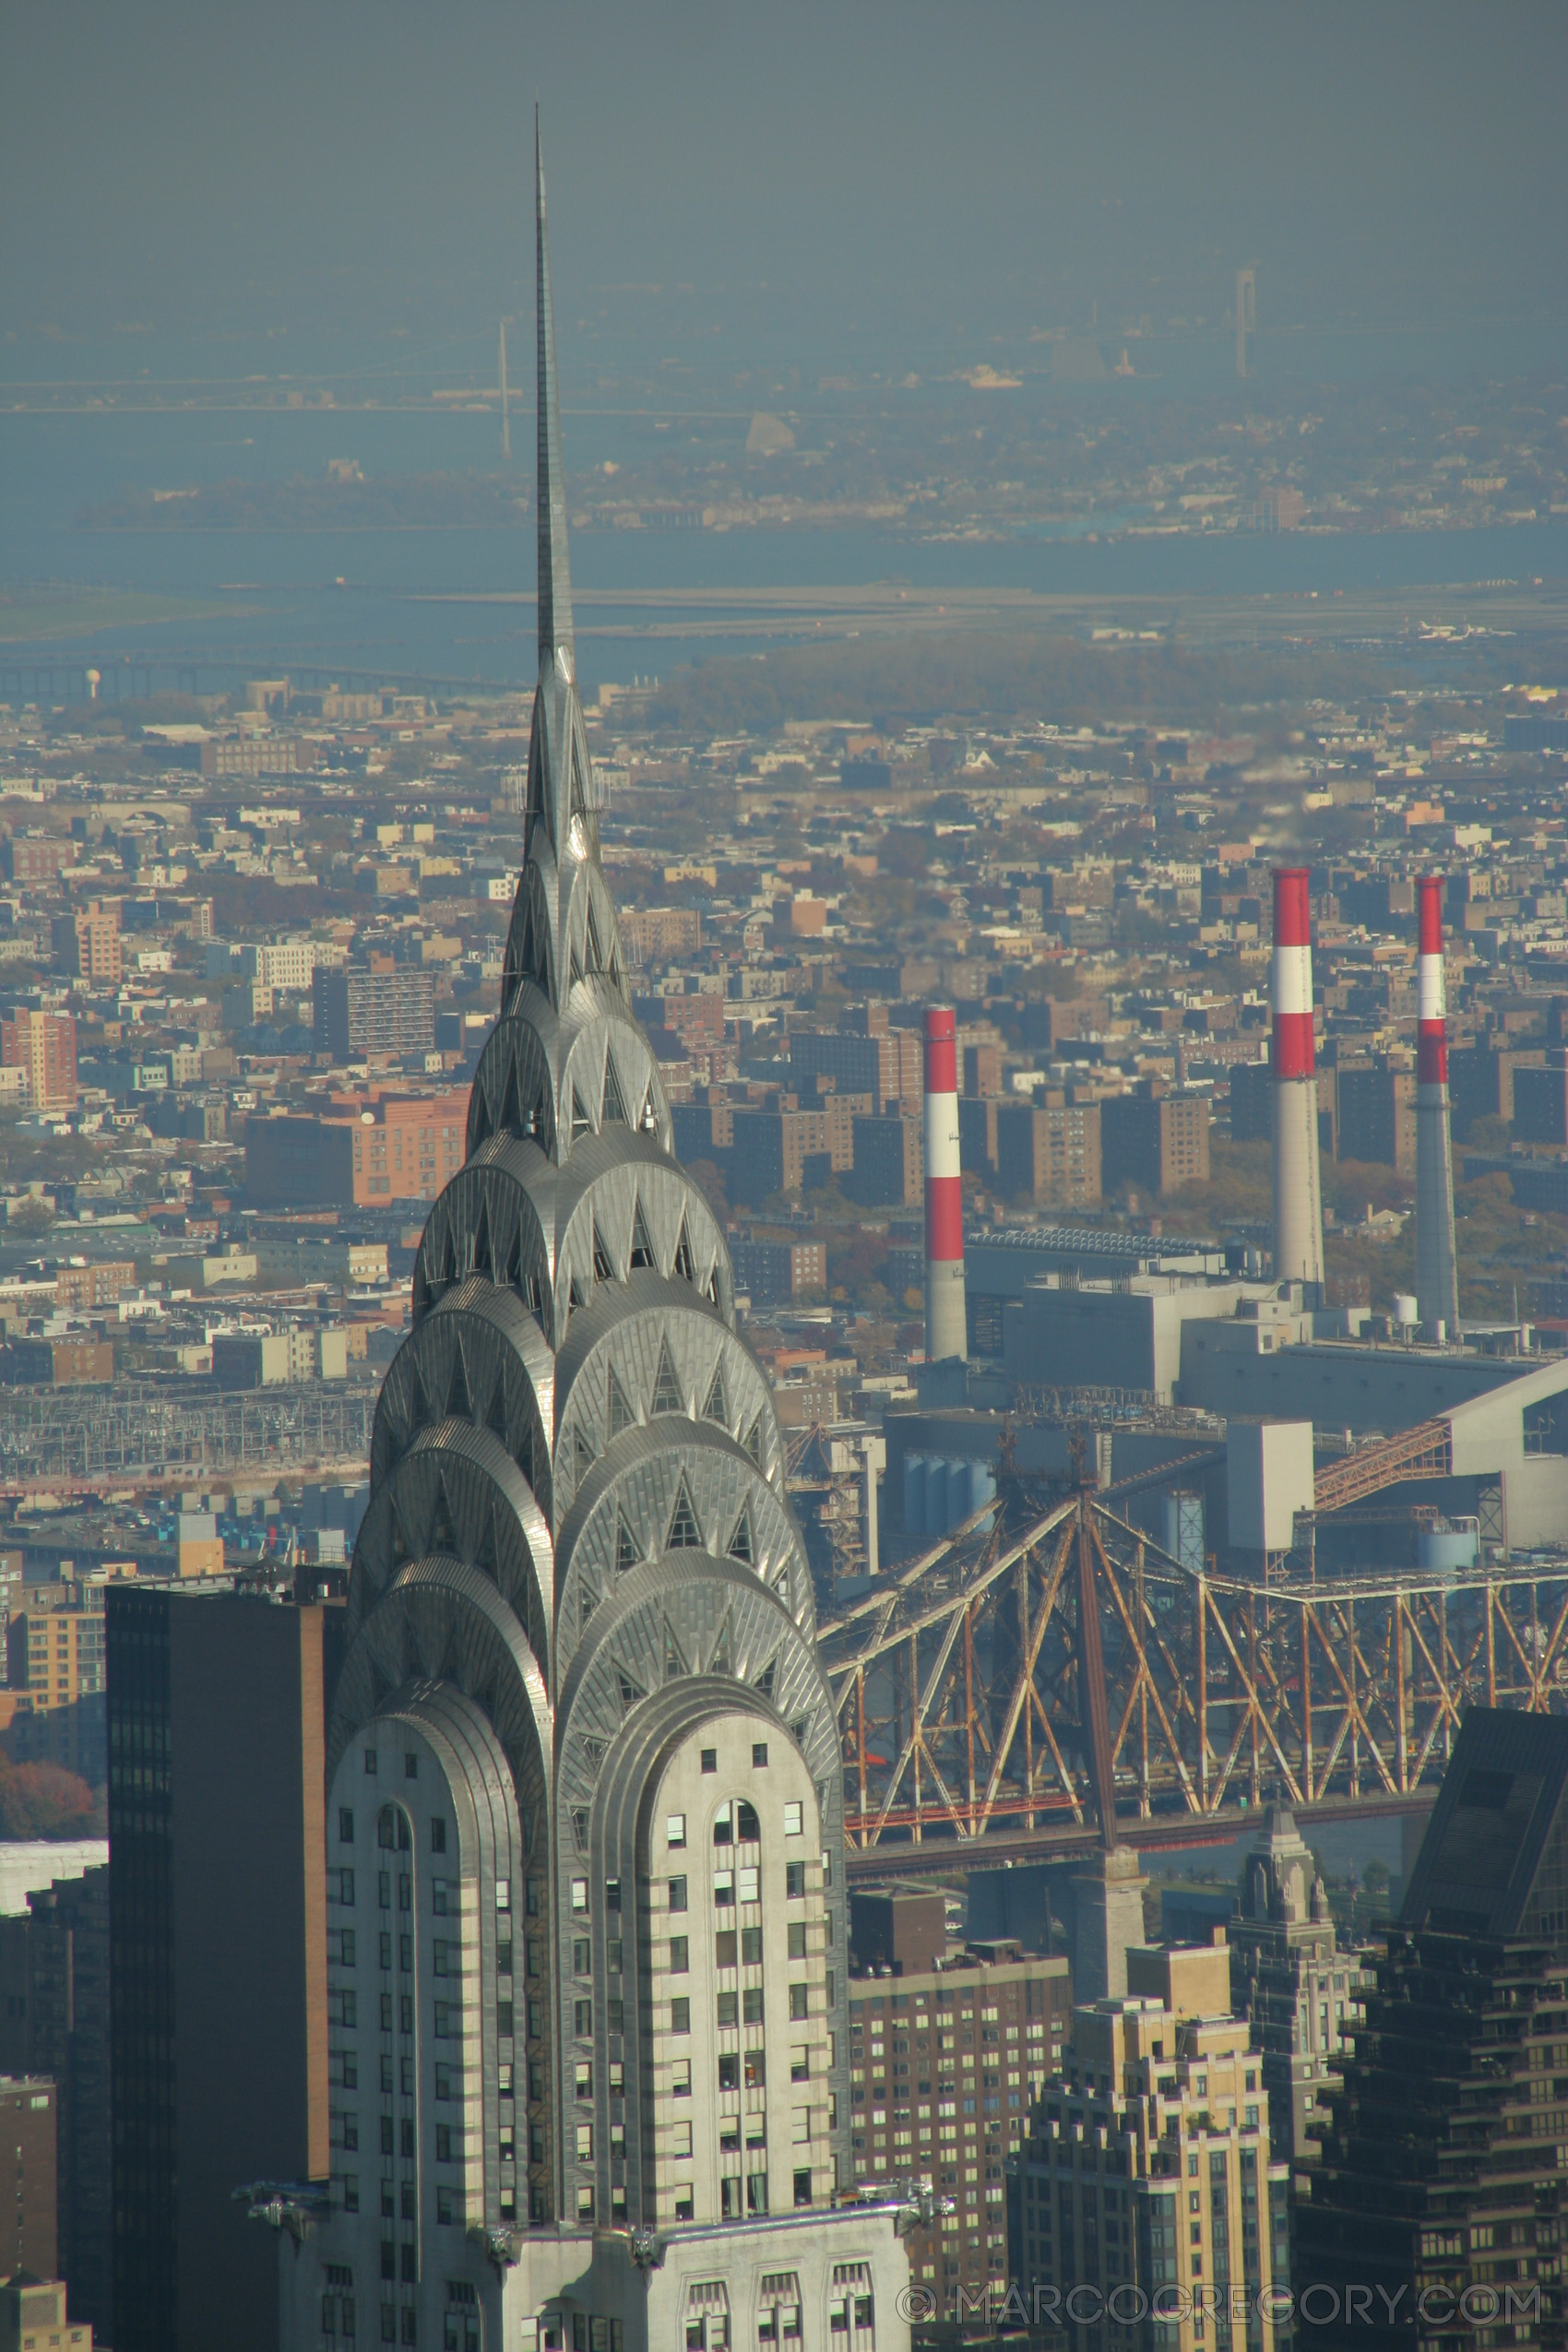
point(658, 935)
point(771, 1271)
point(1052, 1154)
point(890, 1162)
point(85, 945)
point(357, 1150)
point(44, 1045)
point(949, 2049)
point(1153, 1141)
point(885, 1063)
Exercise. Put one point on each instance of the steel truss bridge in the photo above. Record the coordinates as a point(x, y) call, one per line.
point(140, 1434)
point(1031, 1695)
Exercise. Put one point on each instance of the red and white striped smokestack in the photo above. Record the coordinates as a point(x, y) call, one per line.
point(1298, 1207)
point(945, 1331)
point(1437, 1274)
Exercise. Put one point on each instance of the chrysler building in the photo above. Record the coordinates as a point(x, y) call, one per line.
point(585, 1919)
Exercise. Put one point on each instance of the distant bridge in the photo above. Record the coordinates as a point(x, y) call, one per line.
point(1037, 1694)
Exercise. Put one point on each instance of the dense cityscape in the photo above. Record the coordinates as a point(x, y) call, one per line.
point(784, 1401)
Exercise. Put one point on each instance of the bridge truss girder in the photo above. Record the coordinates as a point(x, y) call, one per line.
point(1003, 1685)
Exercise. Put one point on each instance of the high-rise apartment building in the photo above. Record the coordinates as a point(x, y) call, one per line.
point(56, 1656)
point(44, 1045)
point(1440, 2204)
point(359, 1013)
point(1149, 2183)
point(28, 2213)
point(587, 1959)
point(949, 2049)
point(1300, 1993)
point(1154, 1140)
point(218, 1950)
point(54, 2023)
point(1053, 1154)
point(86, 944)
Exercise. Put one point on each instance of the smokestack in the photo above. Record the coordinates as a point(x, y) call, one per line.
point(945, 1332)
point(1298, 1207)
point(1437, 1276)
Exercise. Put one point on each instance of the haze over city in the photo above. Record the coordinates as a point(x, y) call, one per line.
point(783, 1178)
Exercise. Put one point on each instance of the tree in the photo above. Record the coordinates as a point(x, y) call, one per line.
point(42, 1800)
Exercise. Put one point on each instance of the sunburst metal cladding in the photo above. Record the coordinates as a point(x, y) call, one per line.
point(577, 1534)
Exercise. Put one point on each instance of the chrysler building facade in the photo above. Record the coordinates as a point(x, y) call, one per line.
point(586, 1919)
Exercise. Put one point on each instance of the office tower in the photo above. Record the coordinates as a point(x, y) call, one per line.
point(1297, 1208)
point(944, 1331)
point(1289, 1978)
point(1437, 1275)
point(949, 2049)
point(27, 2219)
point(54, 2022)
point(1442, 2197)
point(1148, 2181)
point(217, 1962)
point(587, 1967)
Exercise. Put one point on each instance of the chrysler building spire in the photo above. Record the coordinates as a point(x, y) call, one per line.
point(586, 1930)
point(554, 569)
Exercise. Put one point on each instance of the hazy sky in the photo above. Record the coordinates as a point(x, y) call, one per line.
point(857, 165)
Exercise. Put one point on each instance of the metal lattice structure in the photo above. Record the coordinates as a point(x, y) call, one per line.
point(1074, 1682)
point(140, 1434)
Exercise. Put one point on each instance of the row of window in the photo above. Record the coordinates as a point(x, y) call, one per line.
point(738, 1823)
point(731, 2008)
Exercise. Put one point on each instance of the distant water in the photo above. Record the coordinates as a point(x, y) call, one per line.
point(51, 465)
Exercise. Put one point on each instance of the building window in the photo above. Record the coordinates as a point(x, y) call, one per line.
point(680, 1948)
point(710, 1760)
point(759, 1754)
point(681, 2017)
point(677, 1894)
point(345, 1826)
point(794, 1820)
point(675, 1829)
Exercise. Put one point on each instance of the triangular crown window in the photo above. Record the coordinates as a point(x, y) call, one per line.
point(642, 1246)
point(582, 1123)
point(667, 1397)
point(684, 1533)
point(684, 1265)
point(603, 1269)
point(717, 1405)
point(442, 1537)
point(460, 1405)
point(626, 1553)
point(618, 1412)
point(740, 1546)
point(613, 1106)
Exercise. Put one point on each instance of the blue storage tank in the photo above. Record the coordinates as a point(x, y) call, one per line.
point(914, 1494)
